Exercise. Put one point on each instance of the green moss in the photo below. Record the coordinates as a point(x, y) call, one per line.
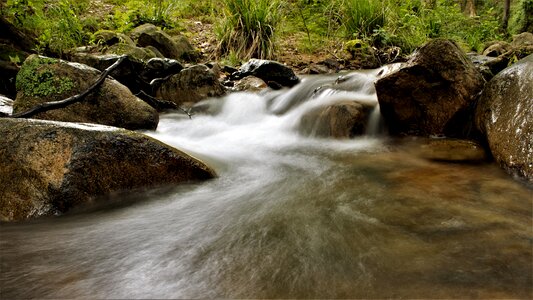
point(37, 80)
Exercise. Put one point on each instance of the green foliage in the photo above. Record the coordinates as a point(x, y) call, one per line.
point(34, 80)
point(522, 18)
point(248, 28)
point(56, 24)
point(136, 12)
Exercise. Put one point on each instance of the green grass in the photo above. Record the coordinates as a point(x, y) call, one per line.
point(253, 28)
point(248, 28)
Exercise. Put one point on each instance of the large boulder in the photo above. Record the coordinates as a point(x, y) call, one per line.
point(190, 86)
point(150, 35)
point(49, 168)
point(44, 79)
point(343, 119)
point(432, 94)
point(505, 114)
point(272, 72)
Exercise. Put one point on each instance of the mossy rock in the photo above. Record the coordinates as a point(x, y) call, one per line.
point(43, 79)
point(109, 38)
point(49, 168)
point(138, 53)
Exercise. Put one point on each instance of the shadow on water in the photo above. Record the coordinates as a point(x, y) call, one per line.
point(288, 217)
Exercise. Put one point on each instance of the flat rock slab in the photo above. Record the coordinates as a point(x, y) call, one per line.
point(48, 168)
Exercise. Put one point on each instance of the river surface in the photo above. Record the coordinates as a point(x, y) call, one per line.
point(289, 216)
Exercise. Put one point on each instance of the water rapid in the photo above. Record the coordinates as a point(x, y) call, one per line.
point(291, 215)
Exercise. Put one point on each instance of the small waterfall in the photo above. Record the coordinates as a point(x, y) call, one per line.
point(298, 109)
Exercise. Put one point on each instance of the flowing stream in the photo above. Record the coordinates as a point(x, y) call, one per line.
point(290, 216)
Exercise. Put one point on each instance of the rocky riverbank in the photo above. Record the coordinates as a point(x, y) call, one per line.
point(51, 167)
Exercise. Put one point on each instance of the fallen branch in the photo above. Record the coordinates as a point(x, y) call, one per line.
point(43, 107)
point(159, 104)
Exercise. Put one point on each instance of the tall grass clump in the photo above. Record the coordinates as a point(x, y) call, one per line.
point(248, 28)
point(361, 18)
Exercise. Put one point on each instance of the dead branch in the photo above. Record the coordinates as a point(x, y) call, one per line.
point(159, 104)
point(43, 107)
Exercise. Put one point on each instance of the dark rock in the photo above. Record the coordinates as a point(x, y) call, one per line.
point(44, 79)
point(273, 73)
point(488, 66)
point(191, 85)
point(344, 119)
point(229, 69)
point(432, 94)
point(505, 115)
point(160, 68)
point(49, 168)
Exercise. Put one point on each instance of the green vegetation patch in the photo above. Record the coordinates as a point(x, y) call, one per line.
point(36, 79)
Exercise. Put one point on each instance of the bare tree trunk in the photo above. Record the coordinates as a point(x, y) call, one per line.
point(506, 13)
point(470, 9)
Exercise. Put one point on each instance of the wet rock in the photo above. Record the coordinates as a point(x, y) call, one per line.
point(6, 105)
point(44, 79)
point(49, 168)
point(150, 35)
point(448, 150)
point(488, 66)
point(160, 68)
point(273, 73)
point(433, 93)
point(190, 86)
point(250, 84)
point(504, 114)
point(496, 49)
point(344, 119)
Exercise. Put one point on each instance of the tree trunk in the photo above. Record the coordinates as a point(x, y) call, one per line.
point(506, 12)
point(470, 9)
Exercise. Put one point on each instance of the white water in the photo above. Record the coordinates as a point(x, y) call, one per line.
point(289, 216)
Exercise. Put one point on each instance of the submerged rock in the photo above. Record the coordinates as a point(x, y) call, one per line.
point(448, 150)
point(433, 93)
point(505, 115)
point(190, 86)
point(48, 168)
point(344, 119)
point(272, 72)
point(44, 79)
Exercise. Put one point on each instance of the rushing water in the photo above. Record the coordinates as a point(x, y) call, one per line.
point(289, 216)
